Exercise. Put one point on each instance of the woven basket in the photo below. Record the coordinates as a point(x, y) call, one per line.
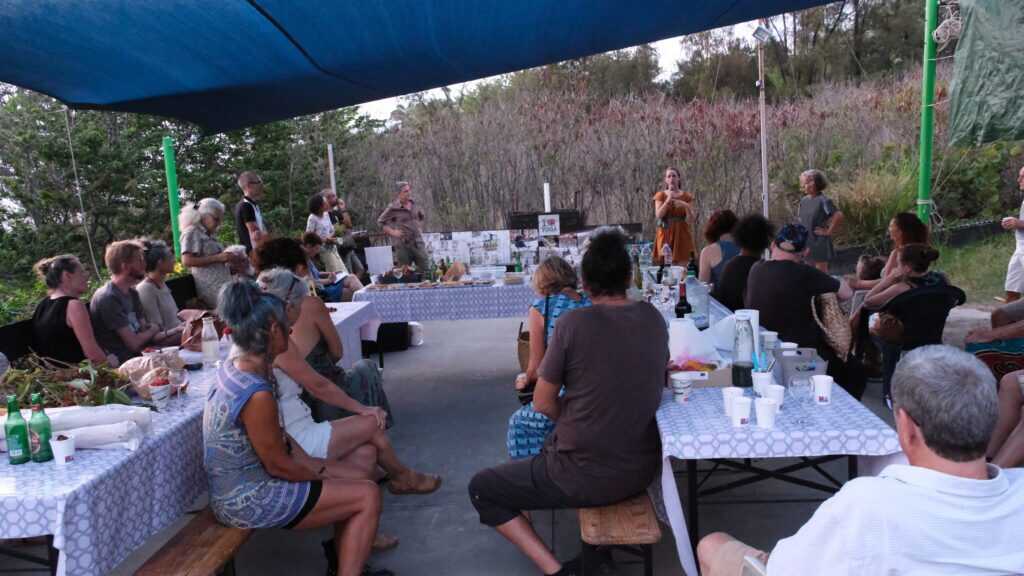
point(833, 323)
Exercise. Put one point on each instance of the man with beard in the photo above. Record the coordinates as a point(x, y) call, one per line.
point(342, 220)
point(116, 310)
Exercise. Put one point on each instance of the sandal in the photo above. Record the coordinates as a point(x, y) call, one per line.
point(383, 543)
point(422, 484)
point(332, 562)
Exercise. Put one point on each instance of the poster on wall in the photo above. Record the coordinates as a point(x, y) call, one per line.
point(549, 224)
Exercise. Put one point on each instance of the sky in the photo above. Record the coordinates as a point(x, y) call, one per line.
point(669, 52)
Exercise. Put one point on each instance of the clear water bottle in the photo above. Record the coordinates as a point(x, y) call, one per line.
point(646, 255)
point(698, 294)
point(211, 344)
point(743, 352)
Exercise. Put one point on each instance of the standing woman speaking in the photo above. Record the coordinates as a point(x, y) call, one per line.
point(674, 210)
point(820, 216)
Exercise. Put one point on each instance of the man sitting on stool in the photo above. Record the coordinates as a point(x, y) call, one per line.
point(948, 512)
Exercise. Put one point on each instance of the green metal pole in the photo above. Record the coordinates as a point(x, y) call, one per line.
point(924, 183)
point(172, 193)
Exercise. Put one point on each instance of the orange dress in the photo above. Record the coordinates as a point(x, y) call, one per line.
point(676, 232)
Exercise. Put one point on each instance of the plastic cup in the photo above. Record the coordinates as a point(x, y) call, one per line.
point(727, 395)
point(740, 410)
point(761, 379)
point(766, 409)
point(63, 448)
point(775, 392)
point(160, 395)
point(822, 388)
point(682, 386)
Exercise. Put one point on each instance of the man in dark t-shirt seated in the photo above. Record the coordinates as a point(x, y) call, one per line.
point(610, 360)
point(116, 310)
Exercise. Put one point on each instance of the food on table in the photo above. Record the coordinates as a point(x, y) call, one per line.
point(694, 366)
point(136, 368)
point(63, 384)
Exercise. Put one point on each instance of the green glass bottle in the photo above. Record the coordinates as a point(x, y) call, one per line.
point(39, 431)
point(16, 431)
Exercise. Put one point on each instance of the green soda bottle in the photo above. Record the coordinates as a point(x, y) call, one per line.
point(16, 431)
point(39, 431)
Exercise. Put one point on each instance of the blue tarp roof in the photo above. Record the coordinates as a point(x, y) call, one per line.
point(226, 64)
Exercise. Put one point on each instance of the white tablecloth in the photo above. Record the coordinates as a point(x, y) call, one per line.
point(355, 322)
point(455, 303)
point(699, 430)
point(107, 503)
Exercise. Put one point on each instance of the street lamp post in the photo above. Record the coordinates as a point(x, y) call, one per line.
point(762, 35)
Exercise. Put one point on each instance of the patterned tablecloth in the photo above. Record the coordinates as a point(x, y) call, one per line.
point(699, 430)
point(355, 322)
point(455, 303)
point(107, 503)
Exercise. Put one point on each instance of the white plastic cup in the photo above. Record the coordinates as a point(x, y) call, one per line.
point(822, 388)
point(682, 386)
point(63, 450)
point(770, 340)
point(728, 394)
point(740, 410)
point(761, 379)
point(766, 409)
point(160, 395)
point(789, 348)
point(775, 392)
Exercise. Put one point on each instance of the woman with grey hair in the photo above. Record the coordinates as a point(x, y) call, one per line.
point(820, 216)
point(258, 477)
point(157, 302)
point(61, 327)
point(339, 439)
point(205, 257)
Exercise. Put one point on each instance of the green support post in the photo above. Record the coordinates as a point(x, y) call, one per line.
point(172, 193)
point(924, 183)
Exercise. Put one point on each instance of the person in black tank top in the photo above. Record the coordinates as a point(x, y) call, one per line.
point(61, 328)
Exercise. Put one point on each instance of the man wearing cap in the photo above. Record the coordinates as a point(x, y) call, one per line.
point(781, 290)
point(248, 218)
point(401, 221)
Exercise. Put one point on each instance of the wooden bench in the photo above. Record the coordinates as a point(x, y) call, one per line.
point(630, 525)
point(204, 547)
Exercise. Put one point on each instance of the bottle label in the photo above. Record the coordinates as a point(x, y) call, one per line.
point(33, 441)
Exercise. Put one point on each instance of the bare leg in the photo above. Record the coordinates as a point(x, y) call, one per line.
point(354, 509)
point(349, 433)
point(360, 464)
point(713, 559)
point(1011, 455)
point(1010, 411)
point(519, 532)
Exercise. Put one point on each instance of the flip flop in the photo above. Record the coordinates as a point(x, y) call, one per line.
point(383, 543)
point(424, 484)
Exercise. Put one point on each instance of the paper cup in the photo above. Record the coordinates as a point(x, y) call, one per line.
point(761, 379)
point(766, 409)
point(775, 392)
point(682, 385)
point(63, 450)
point(160, 395)
point(740, 410)
point(727, 395)
point(822, 388)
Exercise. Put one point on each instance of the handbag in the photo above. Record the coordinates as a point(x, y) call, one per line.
point(192, 335)
point(833, 323)
point(889, 328)
point(523, 351)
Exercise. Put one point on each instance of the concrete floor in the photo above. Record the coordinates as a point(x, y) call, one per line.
point(451, 400)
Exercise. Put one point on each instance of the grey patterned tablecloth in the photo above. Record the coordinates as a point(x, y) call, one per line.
point(699, 429)
point(455, 303)
point(107, 503)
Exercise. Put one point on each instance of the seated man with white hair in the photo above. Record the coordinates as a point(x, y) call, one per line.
point(947, 512)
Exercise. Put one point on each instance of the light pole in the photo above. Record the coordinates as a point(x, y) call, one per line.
point(762, 35)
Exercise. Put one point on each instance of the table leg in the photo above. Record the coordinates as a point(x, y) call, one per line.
point(851, 467)
point(52, 554)
point(692, 489)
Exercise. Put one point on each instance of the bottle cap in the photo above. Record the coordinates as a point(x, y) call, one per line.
point(36, 398)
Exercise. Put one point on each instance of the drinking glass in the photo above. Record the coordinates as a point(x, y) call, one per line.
point(802, 393)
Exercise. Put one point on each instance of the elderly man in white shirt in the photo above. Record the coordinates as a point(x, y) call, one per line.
point(948, 512)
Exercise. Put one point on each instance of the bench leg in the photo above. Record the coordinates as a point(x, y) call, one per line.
point(52, 555)
point(648, 559)
point(586, 557)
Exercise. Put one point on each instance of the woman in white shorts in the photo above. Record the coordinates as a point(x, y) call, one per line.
point(359, 441)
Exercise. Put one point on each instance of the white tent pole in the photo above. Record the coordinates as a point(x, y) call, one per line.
point(78, 192)
point(330, 163)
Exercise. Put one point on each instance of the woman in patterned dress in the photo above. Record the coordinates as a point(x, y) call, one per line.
point(674, 210)
point(205, 257)
point(258, 477)
point(555, 282)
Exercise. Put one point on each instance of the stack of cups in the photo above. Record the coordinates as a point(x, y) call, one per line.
point(822, 388)
point(761, 379)
point(774, 392)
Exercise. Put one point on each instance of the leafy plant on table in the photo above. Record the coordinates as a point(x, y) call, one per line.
point(64, 384)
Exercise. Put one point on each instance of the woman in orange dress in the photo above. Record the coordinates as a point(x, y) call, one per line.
point(674, 210)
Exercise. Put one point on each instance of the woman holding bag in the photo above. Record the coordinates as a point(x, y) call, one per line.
point(555, 283)
point(319, 222)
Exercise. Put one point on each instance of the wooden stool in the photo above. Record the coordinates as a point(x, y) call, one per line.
point(630, 525)
point(204, 547)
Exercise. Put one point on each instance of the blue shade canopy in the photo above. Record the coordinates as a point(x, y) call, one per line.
point(226, 64)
